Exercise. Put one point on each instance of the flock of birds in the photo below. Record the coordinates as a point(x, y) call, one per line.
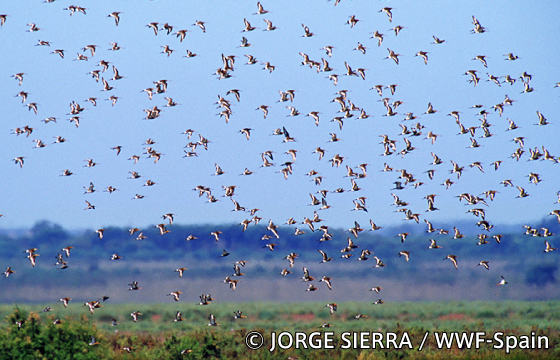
point(396, 145)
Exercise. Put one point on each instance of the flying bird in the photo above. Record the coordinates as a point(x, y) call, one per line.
point(453, 259)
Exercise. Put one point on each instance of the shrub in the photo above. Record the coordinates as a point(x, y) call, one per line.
point(32, 337)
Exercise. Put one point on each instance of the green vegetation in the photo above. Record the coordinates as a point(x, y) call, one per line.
point(157, 336)
point(306, 316)
point(33, 337)
point(90, 255)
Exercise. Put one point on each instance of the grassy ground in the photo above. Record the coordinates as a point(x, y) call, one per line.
point(156, 335)
point(434, 316)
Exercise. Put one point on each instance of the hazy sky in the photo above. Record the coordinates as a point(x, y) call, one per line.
point(38, 191)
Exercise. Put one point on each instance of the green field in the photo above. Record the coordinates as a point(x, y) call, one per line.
point(157, 336)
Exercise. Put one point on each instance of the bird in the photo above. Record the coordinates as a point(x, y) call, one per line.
point(167, 27)
point(433, 245)
point(216, 235)
point(397, 29)
point(162, 229)
point(247, 132)
point(542, 119)
point(260, 9)
point(175, 295)
point(232, 283)
point(522, 192)
point(219, 170)
point(437, 40)
point(478, 29)
point(19, 78)
point(245, 42)
point(374, 226)
point(327, 280)
point(453, 259)
point(65, 301)
point(212, 319)
point(511, 57)
point(237, 269)
point(248, 26)
point(93, 342)
point(387, 10)
point(308, 33)
point(205, 299)
point(423, 55)
point(482, 59)
point(32, 106)
point(328, 49)
point(91, 48)
point(285, 272)
point(60, 52)
point(99, 233)
point(134, 286)
point(178, 317)
point(66, 250)
point(167, 50)
point(116, 75)
point(32, 27)
point(180, 271)
point(393, 55)
point(169, 216)
point(325, 257)
point(92, 305)
point(240, 152)
point(352, 21)
point(270, 246)
point(404, 253)
point(135, 315)
point(556, 213)
point(23, 95)
point(106, 86)
point(377, 289)
point(269, 26)
point(403, 236)
point(306, 277)
point(8, 272)
point(115, 15)
point(154, 26)
point(113, 99)
point(378, 263)
point(430, 109)
point(502, 282)
point(548, 248)
point(485, 264)
point(19, 160)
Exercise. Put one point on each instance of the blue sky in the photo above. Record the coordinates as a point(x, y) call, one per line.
point(37, 191)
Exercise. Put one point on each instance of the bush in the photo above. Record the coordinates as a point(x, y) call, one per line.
point(31, 337)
